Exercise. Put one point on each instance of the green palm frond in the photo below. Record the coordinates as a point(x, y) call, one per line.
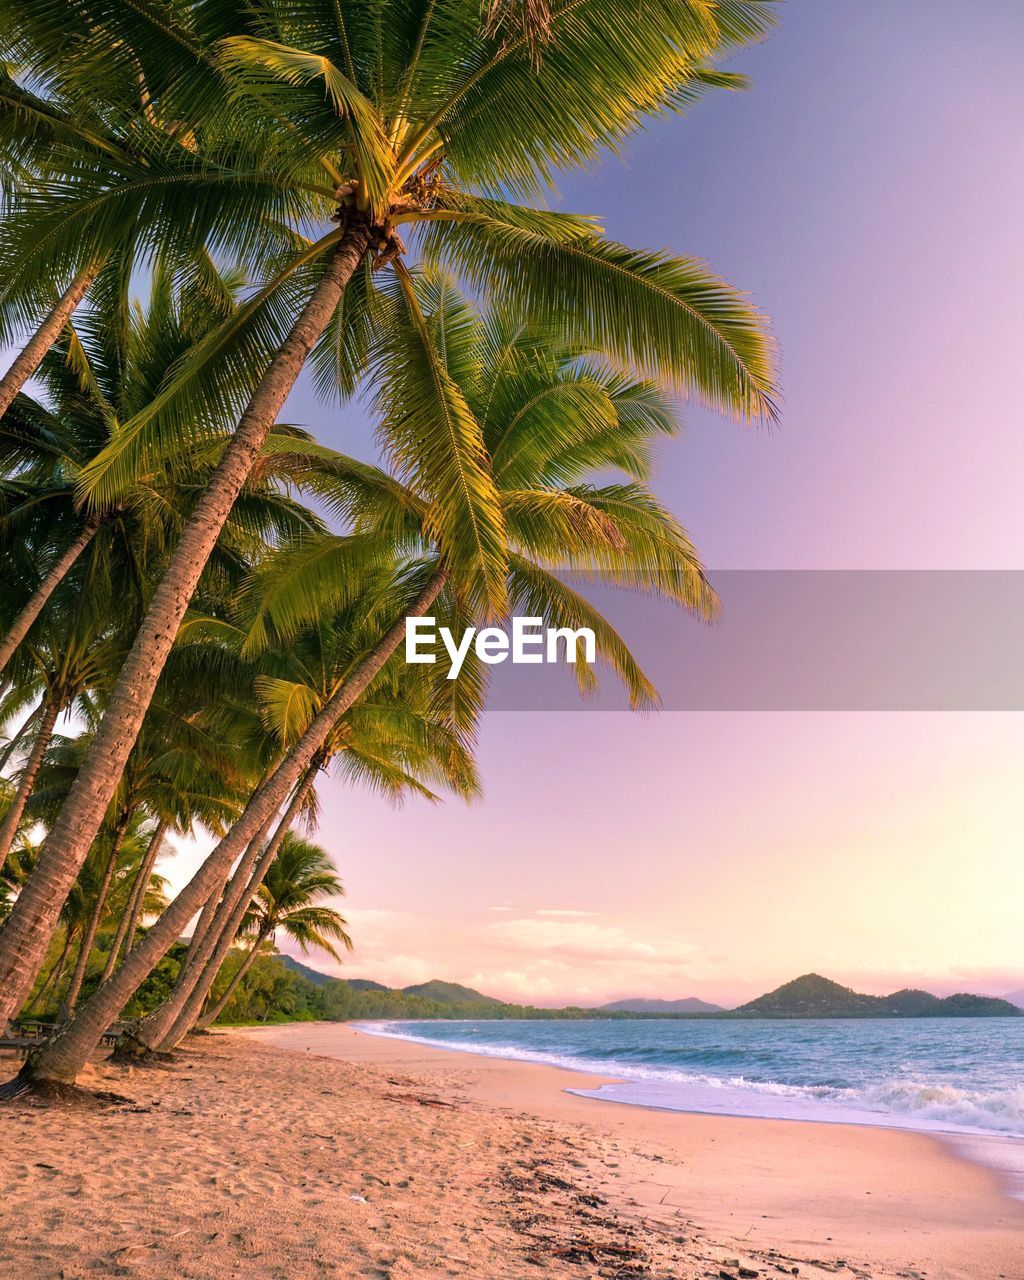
point(265, 67)
point(536, 593)
point(310, 579)
point(287, 707)
point(666, 317)
point(437, 446)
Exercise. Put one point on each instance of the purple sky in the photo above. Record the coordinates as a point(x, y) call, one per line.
point(868, 192)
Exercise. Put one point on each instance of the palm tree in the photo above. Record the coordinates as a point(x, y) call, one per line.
point(418, 116)
point(103, 864)
point(99, 904)
point(65, 666)
point(44, 448)
point(550, 417)
point(65, 120)
point(29, 358)
point(397, 742)
point(93, 378)
point(289, 899)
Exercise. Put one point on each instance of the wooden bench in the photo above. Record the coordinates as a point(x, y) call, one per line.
point(21, 1046)
point(30, 1035)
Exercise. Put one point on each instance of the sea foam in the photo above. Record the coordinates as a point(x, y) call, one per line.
point(959, 1080)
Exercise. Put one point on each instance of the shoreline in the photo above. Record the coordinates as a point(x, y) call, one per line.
point(899, 1199)
point(998, 1153)
point(957, 1137)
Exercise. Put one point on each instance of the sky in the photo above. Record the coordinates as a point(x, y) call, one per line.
point(868, 191)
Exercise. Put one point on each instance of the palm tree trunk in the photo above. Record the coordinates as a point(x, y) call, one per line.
point(89, 936)
point(9, 826)
point(138, 899)
point(191, 1007)
point(135, 900)
point(56, 972)
point(14, 742)
point(65, 1054)
point(28, 360)
point(51, 581)
point(203, 962)
point(212, 903)
point(153, 1028)
point(206, 916)
point(213, 1014)
point(26, 934)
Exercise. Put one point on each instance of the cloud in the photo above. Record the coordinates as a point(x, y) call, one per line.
point(556, 955)
point(584, 939)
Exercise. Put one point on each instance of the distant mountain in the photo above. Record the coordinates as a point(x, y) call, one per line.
point(965, 1005)
point(1017, 998)
point(911, 1003)
point(813, 996)
point(810, 997)
point(312, 975)
point(448, 993)
point(690, 1005)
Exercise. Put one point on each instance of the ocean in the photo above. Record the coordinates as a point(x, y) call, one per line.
point(960, 1076)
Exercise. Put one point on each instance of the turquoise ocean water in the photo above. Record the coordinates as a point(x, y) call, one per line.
point(942, 1075)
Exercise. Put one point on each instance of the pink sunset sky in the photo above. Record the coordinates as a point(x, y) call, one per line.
point(869, 192)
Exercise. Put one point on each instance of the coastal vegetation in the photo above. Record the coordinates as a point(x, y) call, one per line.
point(284, 990)
point(813, 996)
point(204, 605)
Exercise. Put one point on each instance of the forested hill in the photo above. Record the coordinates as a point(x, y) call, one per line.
point(283, 988)
point(813, 996)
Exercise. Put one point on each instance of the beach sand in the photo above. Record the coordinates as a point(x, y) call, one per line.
point(317, 1150)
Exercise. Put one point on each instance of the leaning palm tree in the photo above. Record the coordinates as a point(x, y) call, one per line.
point(105, 371)
point(402, 741)
point(62, 669)
point(390, 120)
point(551, 419)
point(58, 657)
point(67, 118)
point(104, 876)
point(290, 900)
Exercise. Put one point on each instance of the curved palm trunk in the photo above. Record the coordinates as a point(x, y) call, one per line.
point(13, 743)
point(202, 964)
point(89, 936)
point(137, 904)
point(212, 903)
point(29, 358)
point(192, 1005)
point(138, 893)
point(26, 934)
point(63, 1056)
point(9, 826)
point(55, 974)
point(213, 1014)
point(51, 581)
point(206, 918)
point(151, 1031)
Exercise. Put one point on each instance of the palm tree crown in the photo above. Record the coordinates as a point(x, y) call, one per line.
point(291, 899)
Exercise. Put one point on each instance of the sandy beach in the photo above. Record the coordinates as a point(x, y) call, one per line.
point(313, 1150)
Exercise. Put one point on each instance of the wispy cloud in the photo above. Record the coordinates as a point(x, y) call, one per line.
point(583, 939)
point(553, 956)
